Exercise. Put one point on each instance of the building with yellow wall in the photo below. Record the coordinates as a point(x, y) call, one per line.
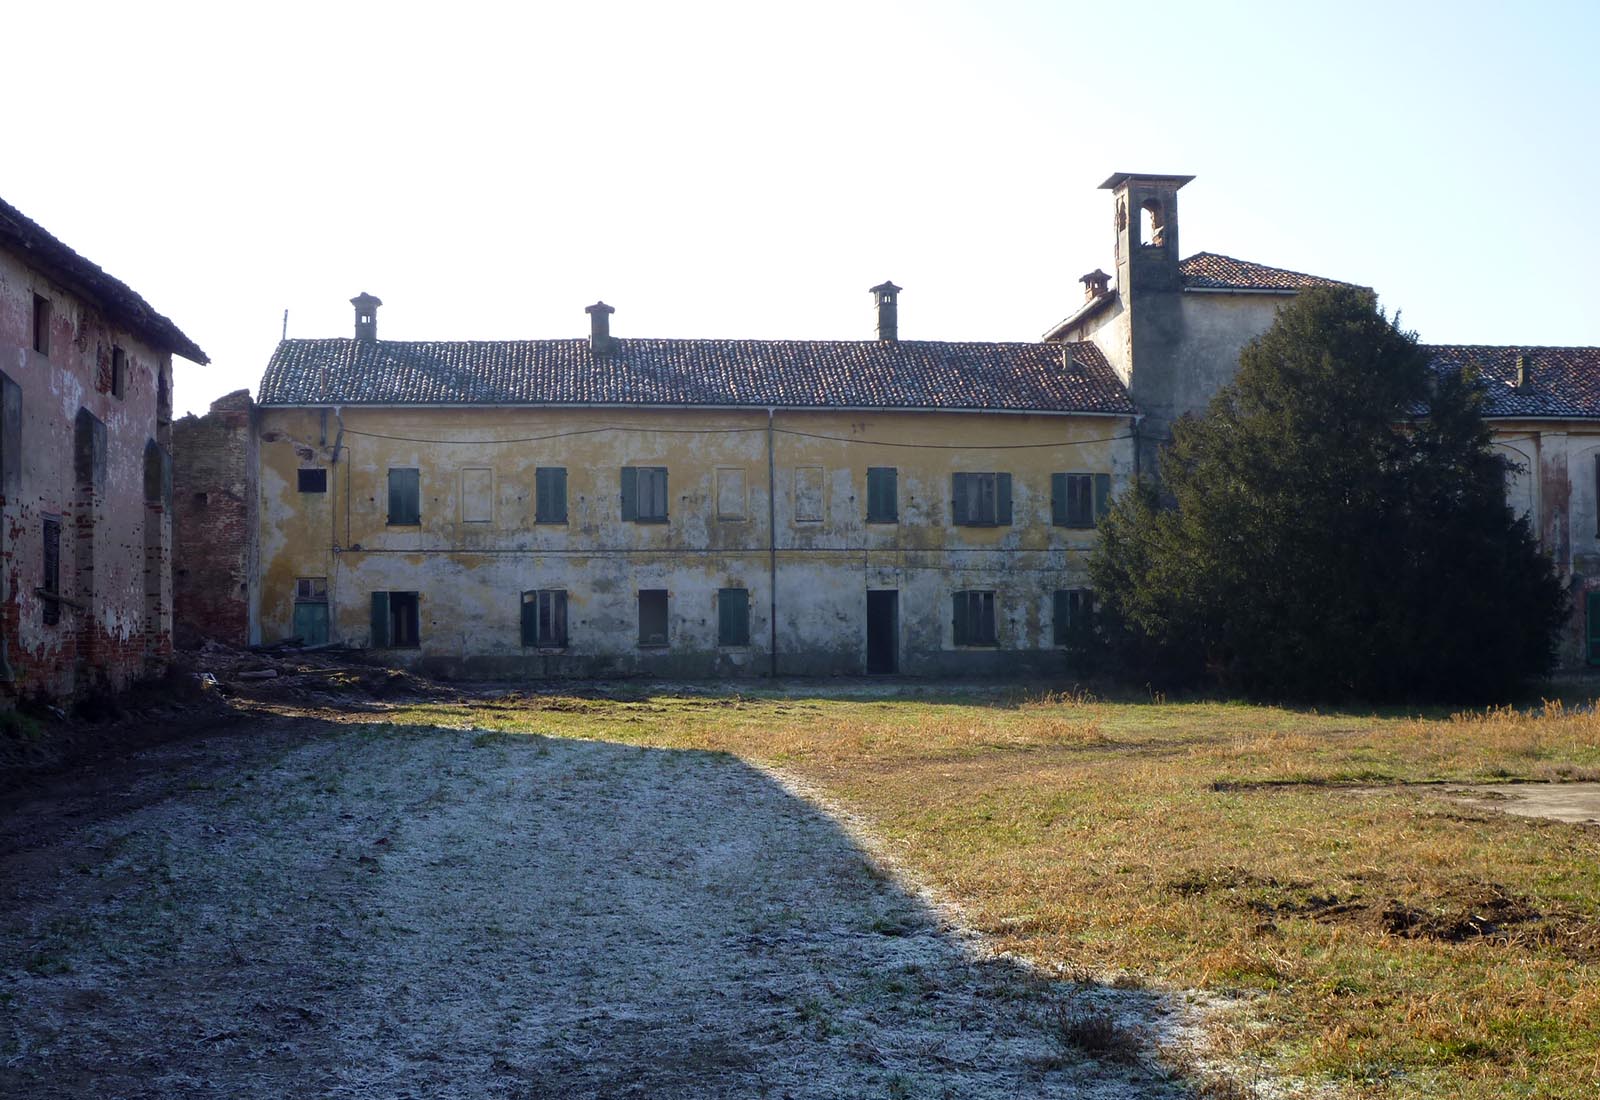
point(686, 507)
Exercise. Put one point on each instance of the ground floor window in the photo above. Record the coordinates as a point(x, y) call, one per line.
point(544, 618)
point(974, 618)
point(1074, 612)
point(733, 616)
point(653, 616)
point(311, 610)
point(51, 586)
point(396, 620)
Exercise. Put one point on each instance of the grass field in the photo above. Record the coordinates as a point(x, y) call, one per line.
point(1375, 936)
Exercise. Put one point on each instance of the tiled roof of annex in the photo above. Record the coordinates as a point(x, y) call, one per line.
point(37, 247)
point(1213, 271)
point(876, 374)
point(1559, 382)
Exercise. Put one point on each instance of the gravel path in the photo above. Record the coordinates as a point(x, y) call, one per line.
point(365, 911)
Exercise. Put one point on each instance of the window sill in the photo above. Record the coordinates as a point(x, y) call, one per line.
point(662, 521)
point(414, 523)
point(546, 648)
point(549, 523)
point(883, 523)
point(56, 597)
point(655, 645)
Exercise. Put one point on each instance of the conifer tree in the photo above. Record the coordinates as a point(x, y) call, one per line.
point(1334, 526)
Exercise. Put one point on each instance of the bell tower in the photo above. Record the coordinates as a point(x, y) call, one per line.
point(1147, 229)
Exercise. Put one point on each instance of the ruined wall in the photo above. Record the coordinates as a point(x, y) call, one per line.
point(215, 506)
point(115, 546)
point(481, 462)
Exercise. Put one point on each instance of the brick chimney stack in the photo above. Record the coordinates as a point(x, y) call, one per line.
point(1096, 284)
point(886, 295)
point(599, 327)
point(366, 316)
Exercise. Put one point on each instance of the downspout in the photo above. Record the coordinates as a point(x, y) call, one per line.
point(333, 526)
point(772, 550)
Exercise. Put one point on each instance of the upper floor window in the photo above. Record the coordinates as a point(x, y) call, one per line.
point(808, 494)
point(1079, 500)
point(51, 586)
point(405, 497)
point(550, 494)
point(313, 481)
point(119, 372)
point(981, 500)
point(644, 494)
point(41, 324)
point(883, 494)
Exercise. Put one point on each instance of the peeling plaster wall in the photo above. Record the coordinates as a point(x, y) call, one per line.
point(470, 574)
point(115, 559)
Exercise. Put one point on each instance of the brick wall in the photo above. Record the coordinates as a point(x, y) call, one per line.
point(214, 522)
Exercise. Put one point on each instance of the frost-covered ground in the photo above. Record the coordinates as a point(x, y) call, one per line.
point(304, 909)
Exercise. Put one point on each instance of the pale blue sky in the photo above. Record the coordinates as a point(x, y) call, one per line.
point(749, 170)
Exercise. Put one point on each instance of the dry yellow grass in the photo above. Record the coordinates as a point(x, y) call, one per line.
point(1382, 937)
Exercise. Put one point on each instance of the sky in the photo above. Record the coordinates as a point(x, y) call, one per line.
point(750, 169)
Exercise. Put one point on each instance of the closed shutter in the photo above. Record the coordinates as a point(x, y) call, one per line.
point(1002, 499)
point(550, 489)
point(557, 635)
point(404, 492)
point(380, 620)
point(630, 493)
point(1058, 499)
point(733, 617)
point(1102, 496)
point(963, 619)
point(658, 494)
point(958, 499)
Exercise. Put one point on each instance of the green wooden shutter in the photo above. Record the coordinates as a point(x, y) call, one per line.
point(733, 616)
point(530, 618)
point(963, 620)
point(550, 488)
point(1063, 616)
point(658, 498)
point(405, 491)
point(1002, 499)
point(558, 618)
point(958, 499)
point(630, 493)
point(1102, 496)
point(380, 620)
point(1058, 499)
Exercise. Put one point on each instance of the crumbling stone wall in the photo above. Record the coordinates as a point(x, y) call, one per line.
point(215, 508)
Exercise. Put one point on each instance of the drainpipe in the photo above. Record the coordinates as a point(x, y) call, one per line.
point(772, 549)
point(333, 525)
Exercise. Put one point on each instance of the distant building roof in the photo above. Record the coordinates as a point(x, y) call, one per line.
point(1559, 382)
point(1212, 271)
point(41, 250)
point(908, 374)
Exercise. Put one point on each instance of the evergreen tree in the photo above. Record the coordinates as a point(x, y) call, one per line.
point(1335, 525)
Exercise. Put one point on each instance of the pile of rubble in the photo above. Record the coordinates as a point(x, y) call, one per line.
point(286, 670)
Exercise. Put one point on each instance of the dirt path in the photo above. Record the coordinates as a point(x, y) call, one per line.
point(372, 912)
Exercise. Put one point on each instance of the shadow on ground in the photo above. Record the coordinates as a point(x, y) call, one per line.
point(358, 910)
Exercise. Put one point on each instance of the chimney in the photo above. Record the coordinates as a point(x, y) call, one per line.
point(599, 328)
point(886, 295)
point(366, 316)
point(1524, 370)
point(1096, 284)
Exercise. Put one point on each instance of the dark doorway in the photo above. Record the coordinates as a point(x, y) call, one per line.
point(883, 631)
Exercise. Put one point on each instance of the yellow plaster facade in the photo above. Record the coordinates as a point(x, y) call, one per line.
point(773, 503)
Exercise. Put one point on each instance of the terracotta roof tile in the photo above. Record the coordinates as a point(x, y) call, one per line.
point(908, 374)
point(1211, 271)
point(1561, 382)
point(37, 247)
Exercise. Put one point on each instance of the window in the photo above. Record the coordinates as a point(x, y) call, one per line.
point(405, 492)
point(808, 494)
point(733, 616)
point(1079, 500)
point(730, 493)
point(10, 437)
point(1074, 615)
point(981, 500)
point(544, 618)
point(974, 618)
point(311, 610)
point(41, 324)
point(89, 450)
point(395, 620)
point(883, 494)
point(157, 473)
point(477, 495)
point(314, 481)
point(51, 588)
point(652, 616)
point(550, 495)
point(644, 494)
point(119, 372)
